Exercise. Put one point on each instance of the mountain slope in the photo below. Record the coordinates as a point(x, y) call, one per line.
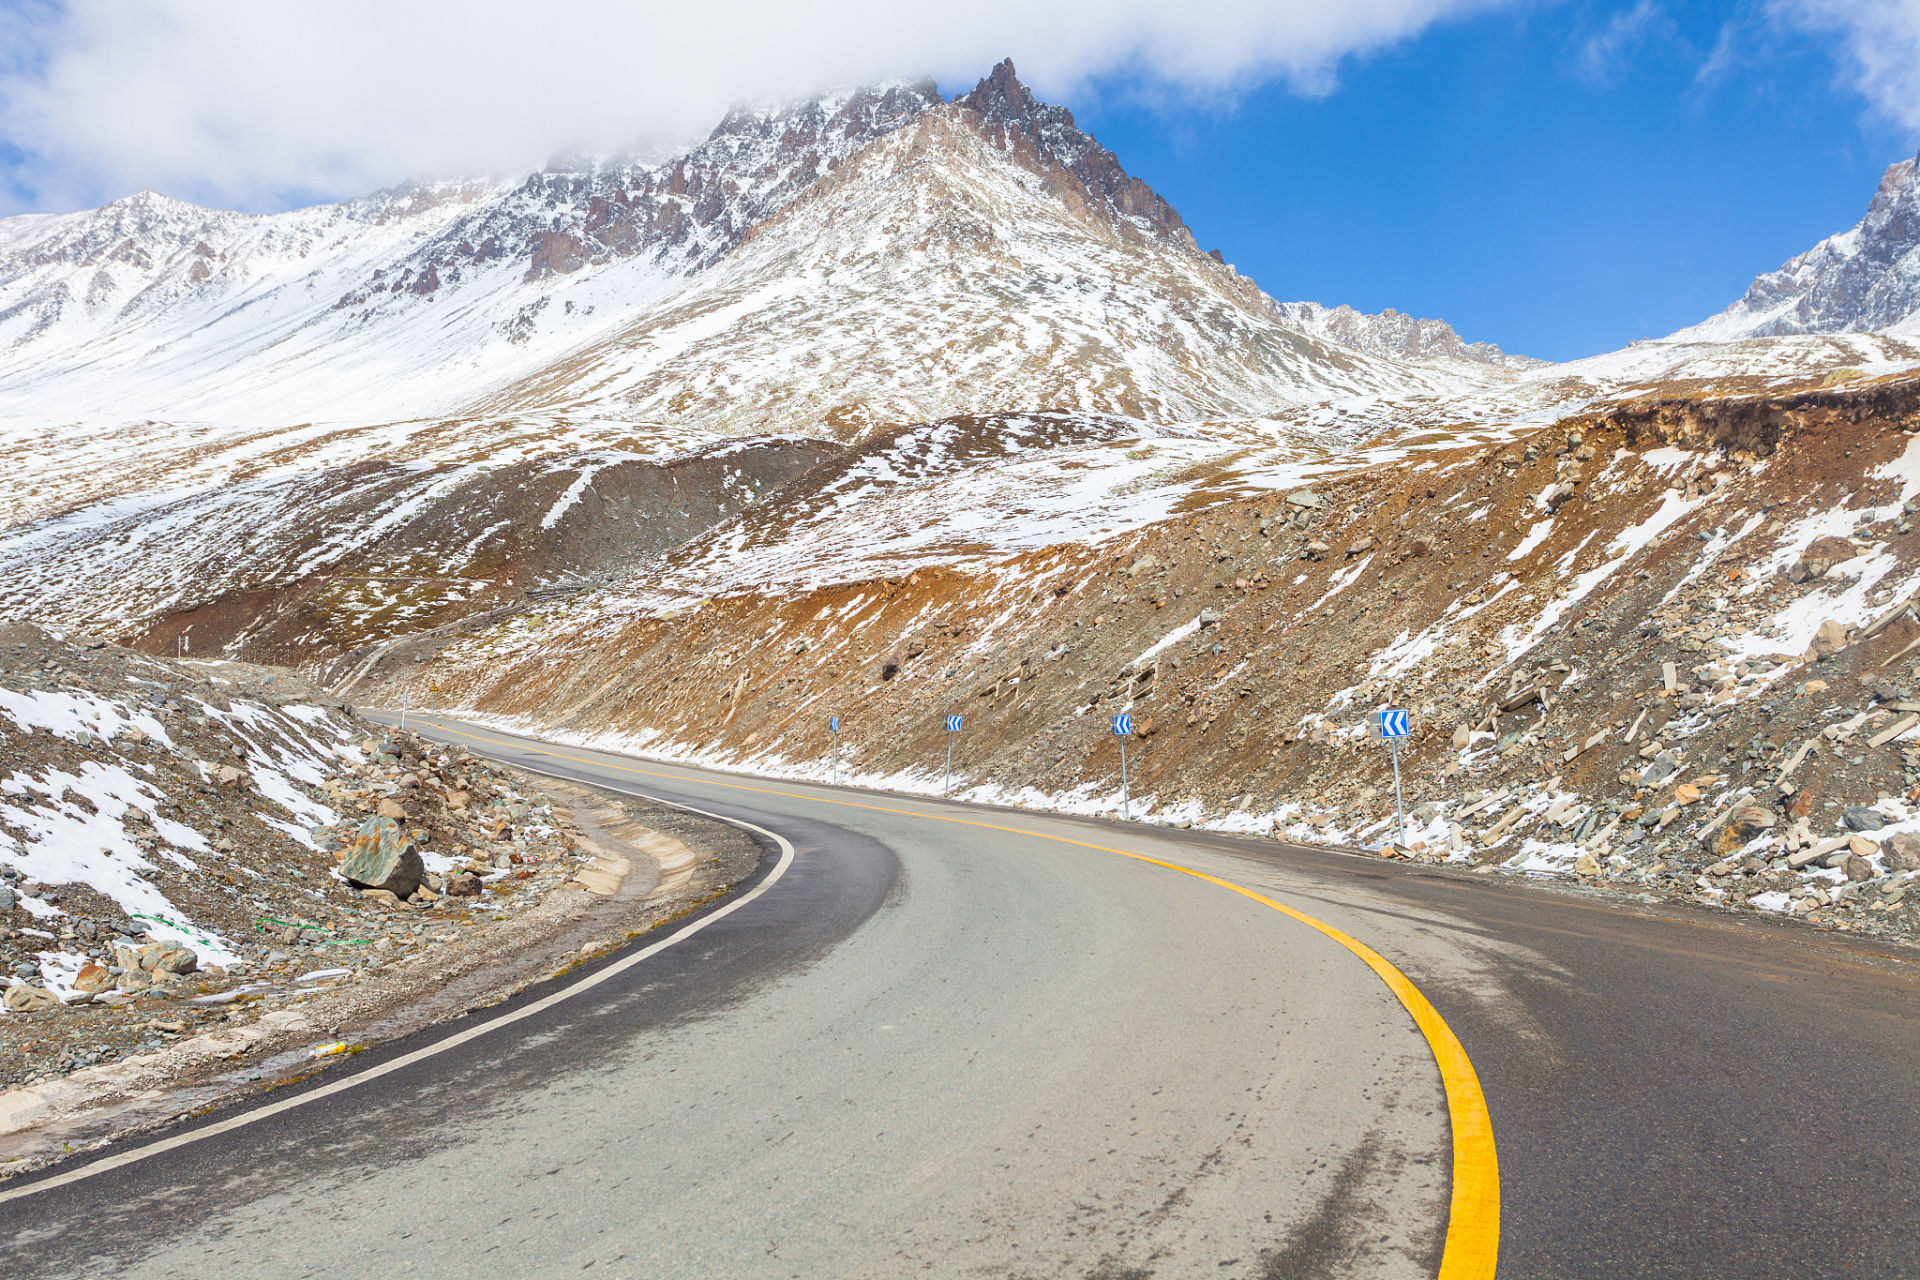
point(393, 305)
point(439, 299)
point(1863, 279)
point(951, 268)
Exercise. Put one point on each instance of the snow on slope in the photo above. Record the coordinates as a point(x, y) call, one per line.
point(396, 304)
point(1863, 279)
point(937, 273)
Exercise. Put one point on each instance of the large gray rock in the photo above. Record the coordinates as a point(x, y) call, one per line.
point(1861, 818)
point(24, 998)
point(1903, 852)
point(383, 857)
point(1662, 768)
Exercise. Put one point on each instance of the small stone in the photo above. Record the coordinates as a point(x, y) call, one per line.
point(463, 886)
point(1861, 847)
point(388, 809)
point(1857, 868)
point(1586, 864)
point(1686, 793)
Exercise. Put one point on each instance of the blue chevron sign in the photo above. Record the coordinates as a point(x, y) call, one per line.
point(1388, 723)
point(834, 724)
point(1123, 724)
point(953, 724)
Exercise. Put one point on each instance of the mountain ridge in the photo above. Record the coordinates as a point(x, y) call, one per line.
point(1863, 279)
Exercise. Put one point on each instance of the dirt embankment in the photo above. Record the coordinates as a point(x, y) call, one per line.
point(174, 921)
point(294, 568)
point(1524, 600)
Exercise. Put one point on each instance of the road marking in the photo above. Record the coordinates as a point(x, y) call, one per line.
point(406, 1060)
point(1473, 1213)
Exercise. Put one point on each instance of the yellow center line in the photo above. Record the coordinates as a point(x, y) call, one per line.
point(1473, 1214)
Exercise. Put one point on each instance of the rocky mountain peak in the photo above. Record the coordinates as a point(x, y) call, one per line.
point(1863, 279)
point(1008, 108)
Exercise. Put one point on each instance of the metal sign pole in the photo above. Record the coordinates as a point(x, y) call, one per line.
point(946, 784)
point(1125, 800)
point(1399, 807)
point(405, 702)
point(836, 757)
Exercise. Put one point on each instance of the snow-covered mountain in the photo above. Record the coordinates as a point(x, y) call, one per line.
point(1861, 280)
point(867, 257)
point(1394, 336)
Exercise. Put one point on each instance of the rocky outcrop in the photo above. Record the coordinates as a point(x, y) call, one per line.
point(1008, 108)
point(1393, 335)
point(1861, 280)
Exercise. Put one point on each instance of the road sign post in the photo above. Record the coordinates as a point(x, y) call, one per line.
point(953, 727)
point(1122, 729)
point(1391, 723)
point(833, 723)
point(406, 700)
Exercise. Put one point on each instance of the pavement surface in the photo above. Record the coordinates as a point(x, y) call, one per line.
point(949, 1040)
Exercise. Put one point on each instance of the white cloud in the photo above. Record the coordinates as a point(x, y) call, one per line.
point(1605, 51)
point(256, 102)
point(1880, 40)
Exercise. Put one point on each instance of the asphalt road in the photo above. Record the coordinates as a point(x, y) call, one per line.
point(954, 1041)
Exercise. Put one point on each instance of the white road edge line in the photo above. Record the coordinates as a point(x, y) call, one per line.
point(451, 1042)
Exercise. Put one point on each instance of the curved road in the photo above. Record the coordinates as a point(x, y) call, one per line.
point(946, 1040)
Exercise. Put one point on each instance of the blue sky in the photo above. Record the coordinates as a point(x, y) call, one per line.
point(1524, 177)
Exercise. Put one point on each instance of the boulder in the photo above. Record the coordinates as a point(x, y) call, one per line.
point(1317, 549)
point(463, 886)
point(168, 957)
point(1749, 822)
point(1304, 498)
point(1830, 638)
point(1857, 868)
point(93, 979)
point(1861, 818)
point(382, 857)
point(1661, 769)
point(389, 809)
point(1821, 556)
point(24, 998)
point(1903, 852)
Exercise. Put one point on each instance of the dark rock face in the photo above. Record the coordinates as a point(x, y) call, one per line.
point(698, 208)
point(1860, 280)
point(1009, 107)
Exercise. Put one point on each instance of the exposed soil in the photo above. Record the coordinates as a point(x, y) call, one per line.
point(1298, 603)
